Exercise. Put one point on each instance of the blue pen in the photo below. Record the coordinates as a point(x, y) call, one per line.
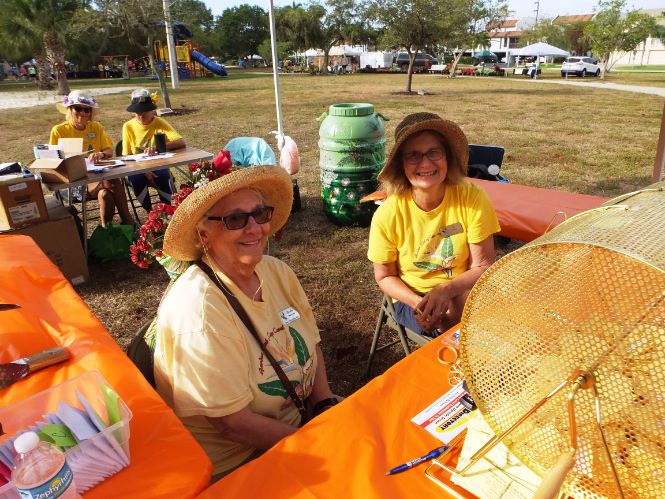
point(433, 454)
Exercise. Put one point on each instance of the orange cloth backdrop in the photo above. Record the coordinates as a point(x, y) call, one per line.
point(166, 461)
point(347, 450)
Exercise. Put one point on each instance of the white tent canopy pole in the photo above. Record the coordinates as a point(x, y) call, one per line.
point(273, 43)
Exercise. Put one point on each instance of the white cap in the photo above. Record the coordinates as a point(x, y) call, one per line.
point(26, 442)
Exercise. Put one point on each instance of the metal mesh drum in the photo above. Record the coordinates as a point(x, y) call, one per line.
point(589, 296)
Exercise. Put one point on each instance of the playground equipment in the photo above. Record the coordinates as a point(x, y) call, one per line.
point(190, 61)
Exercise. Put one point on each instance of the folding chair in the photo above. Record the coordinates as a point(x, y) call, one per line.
point(387, 318)
point(481, 157)
point(252, 151)
point(142, 355)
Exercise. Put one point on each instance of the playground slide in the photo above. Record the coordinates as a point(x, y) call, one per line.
point(208, 63)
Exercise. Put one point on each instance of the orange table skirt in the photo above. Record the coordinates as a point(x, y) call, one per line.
point(166, 461)
point(347, 450)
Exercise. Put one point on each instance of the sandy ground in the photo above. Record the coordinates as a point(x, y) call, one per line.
point(13, 100)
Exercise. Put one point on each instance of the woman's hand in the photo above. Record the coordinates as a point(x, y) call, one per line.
point(150, 151)
point(432, 309)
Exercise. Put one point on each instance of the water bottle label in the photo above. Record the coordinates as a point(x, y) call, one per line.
point(55, 487)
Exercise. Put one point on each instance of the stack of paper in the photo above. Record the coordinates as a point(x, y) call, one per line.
point(47, 151)
point(93, 453)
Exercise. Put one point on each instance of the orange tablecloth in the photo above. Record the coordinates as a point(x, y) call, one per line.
point(166, 461)
point(526, 213)
point(346, 451)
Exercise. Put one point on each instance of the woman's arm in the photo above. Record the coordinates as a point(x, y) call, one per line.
point(321, 389)
point(98, 156)
point(445, 302)
point(251, 429)
point(386, 276)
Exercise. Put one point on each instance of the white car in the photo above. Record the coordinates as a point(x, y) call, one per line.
point(580, 66)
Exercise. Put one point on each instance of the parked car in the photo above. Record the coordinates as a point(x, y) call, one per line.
point(402, 60)
point(580, 66)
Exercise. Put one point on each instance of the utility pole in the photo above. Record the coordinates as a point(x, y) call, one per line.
point(537, 10)
point(170, 41)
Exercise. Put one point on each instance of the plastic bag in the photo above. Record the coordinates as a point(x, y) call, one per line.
point(289, 157)
point(111, 242)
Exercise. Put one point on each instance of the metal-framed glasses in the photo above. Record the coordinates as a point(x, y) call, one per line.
point(82, 109)
point(416, 157)
point(237, 221)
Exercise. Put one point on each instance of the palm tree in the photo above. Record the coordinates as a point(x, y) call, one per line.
point(39, 27)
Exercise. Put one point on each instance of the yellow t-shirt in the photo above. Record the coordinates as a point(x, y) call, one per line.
point(94, 136)
point(136, 137)
point(208, 364)
point(431, 246)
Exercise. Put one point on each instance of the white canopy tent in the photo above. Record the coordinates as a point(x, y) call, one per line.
point(344, 50)
point(539, 50)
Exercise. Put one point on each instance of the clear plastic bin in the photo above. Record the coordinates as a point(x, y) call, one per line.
point(108, 449)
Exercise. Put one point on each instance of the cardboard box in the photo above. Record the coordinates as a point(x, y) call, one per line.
point(59, 239)
point(21, 202)
point(69, 168)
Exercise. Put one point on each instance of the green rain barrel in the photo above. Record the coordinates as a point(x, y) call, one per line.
point(352, 152)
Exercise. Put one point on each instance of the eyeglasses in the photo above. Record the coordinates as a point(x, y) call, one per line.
point(237, 221)
point(81, 109)
point(415, 158)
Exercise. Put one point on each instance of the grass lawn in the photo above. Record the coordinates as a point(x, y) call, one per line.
point(579, 139)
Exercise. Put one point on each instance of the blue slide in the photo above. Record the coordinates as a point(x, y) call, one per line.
point(208, 63)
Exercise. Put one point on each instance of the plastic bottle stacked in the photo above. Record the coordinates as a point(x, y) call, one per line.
point(41, 470)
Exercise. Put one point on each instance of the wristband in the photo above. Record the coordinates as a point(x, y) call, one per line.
point(324, 404)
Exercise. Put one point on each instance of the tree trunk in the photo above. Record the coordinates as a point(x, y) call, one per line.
point(56, 55)
point(409, 76)
point(604, 69)
point(326, 56)
point(160, 75)
point(454, 66)
point(43, 79)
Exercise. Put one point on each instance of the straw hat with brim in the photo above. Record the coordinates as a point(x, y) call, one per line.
point(181, 240)
point(419, 122)
point(76, 98)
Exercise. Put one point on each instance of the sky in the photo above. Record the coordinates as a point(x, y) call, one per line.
point(521, 8)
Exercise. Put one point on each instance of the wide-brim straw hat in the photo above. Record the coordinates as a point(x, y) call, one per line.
point(181, 239)
point(419, 122)
point(76, 98)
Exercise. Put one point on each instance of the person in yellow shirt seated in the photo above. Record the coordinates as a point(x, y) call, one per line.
point(138, 137)
point(432, 238)
point(80, 110)
point(228, 385)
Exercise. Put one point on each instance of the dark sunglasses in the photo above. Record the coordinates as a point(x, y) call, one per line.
point(81, 109)
point(416, 157)
point(236, 221)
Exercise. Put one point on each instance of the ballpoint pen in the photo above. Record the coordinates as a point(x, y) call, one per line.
point(430, 455)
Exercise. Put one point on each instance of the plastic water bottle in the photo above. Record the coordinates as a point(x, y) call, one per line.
point(41, 470)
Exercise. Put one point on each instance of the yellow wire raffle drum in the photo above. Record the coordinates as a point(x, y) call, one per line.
point(589, 296)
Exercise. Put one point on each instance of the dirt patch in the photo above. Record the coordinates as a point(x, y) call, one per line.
point(15, 100)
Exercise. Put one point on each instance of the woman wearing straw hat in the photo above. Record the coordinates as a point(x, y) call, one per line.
point(217, 376)
point(432, 238)
point(138, 137)
point(81, 111)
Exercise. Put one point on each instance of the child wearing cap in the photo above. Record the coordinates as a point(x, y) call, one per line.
point(138, 137)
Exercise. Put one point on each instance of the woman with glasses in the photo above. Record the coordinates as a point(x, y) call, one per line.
point(432, 238)
point(138, 136)
point(208, 366)
point(80, 110)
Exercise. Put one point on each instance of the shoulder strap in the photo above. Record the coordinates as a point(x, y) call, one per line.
point(240, 312)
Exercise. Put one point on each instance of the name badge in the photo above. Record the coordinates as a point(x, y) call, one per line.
point(452, 229)
point(288, 315)
point(90, 135)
